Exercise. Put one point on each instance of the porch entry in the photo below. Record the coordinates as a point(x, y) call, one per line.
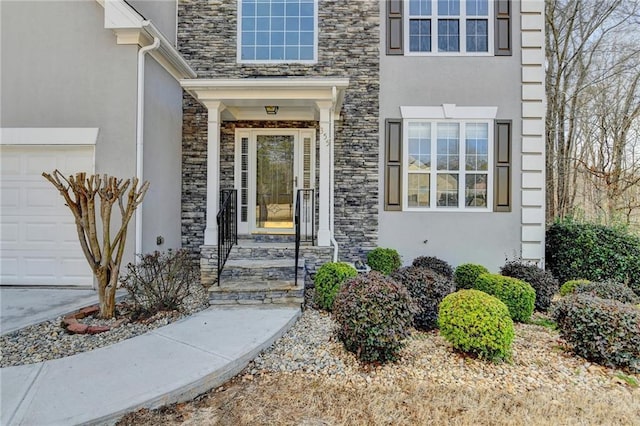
point(270, 166)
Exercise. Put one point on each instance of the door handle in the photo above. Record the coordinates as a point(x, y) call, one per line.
point(295, 181)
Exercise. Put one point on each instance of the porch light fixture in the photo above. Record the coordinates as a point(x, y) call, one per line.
point(271, 109)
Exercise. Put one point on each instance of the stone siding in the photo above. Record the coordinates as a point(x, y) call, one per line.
point(348, 48)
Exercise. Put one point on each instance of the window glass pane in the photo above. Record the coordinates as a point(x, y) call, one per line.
point(278, 30)
point(448, 7)
point(475, 190)
point(420, 7)
point(418, 192)
point(477, 146)
point(448, 156)
point(477, 7)
point(477, 35)
point(419, 150)
point(420, 35)
point(447, 190)
point(448, 35)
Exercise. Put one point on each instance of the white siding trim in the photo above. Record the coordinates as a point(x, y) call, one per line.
point(48, 135)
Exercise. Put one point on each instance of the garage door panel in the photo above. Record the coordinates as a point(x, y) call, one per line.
point(39, 243)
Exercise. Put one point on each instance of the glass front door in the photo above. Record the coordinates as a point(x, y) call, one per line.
point(275, 181)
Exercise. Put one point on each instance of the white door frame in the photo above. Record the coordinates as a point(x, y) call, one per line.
point(245, 152)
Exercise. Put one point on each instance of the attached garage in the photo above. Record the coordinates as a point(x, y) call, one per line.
point(38, 240)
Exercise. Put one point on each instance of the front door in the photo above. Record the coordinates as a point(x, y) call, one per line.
point(271, 164)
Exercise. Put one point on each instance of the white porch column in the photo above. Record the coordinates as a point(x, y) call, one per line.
point(324, 187)
point(213, 170)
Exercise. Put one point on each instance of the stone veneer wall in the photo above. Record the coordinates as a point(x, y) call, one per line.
point(348, 46)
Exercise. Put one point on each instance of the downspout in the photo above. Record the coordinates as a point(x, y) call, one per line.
point(331, 173)
point(140, 133)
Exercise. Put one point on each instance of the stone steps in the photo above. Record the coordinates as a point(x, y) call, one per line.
point(260, 271)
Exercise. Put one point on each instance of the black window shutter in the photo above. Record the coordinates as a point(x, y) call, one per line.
point(394, 27)
point(502, 178)
point(503, 28)
point(393, 165)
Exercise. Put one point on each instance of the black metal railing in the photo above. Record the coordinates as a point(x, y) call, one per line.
point(304, 221)
point(227, 220)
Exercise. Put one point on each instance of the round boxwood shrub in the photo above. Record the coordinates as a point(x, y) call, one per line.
point(570, 286)
point(477, 323)
point(600, 330)
point(466, 274)
point(609, 290)
point(519, 296)
point(374, 315)
point(427, 289)
point(594, 252)
point(385, 260)
point(438, 265)
point(542, 282)
point(327, 282)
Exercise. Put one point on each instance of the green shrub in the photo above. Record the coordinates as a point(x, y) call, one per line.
point(328, 280)
point(477, 323)
point(600, 330)
point(542, 281)
point(427, 289)
point(570, 286)
point(519, 296)
point(374, 316)
point(593, 252)
point(465, 275)
point(438, 265)
point(385, 260)
point(160, 281)
point(609, 290)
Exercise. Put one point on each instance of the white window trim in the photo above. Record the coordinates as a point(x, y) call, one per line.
point(274, 61)
point(447, 113)
point(463, 32)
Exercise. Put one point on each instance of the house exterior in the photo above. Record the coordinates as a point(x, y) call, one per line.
point(427, 118)
point(418, 124)
point(70, 100)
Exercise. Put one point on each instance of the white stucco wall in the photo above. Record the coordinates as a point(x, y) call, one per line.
point(457, 237)
point(162, 158)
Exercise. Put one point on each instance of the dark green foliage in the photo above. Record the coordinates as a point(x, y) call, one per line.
point(609, 290)
point(593, 252)
point(328, 280)
point(465, 275)
point(374, 315)
point(519, 296)
point(477, 323)
point(160, 281)
point(570, 286)
point(542, 281)
point(601, 330)
point(438, 265)
point(385, 260)
point(427, 289)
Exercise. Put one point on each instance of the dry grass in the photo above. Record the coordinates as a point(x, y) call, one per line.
point(297, 399)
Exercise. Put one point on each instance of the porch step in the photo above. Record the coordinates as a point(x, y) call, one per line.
point(261, 269)
point(248, 292)
point(267, 238)
point(263, 250)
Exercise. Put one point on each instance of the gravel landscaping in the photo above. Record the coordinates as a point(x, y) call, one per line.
point(48, 340)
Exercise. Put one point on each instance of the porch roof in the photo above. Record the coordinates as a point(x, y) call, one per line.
point(245, 98)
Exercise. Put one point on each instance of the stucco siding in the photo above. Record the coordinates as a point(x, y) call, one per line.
point(458, 237)
point(162, 158)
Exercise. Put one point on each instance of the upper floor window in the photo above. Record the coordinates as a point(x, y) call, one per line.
point(277, 30)
point(449, 26)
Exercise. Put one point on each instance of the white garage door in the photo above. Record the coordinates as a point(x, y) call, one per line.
point(38, 240)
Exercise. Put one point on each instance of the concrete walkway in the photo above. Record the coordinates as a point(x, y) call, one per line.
point(24, 306)
point(170, 364)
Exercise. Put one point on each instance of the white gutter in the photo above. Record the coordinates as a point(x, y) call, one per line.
point(140, 135)
point(334, 94)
